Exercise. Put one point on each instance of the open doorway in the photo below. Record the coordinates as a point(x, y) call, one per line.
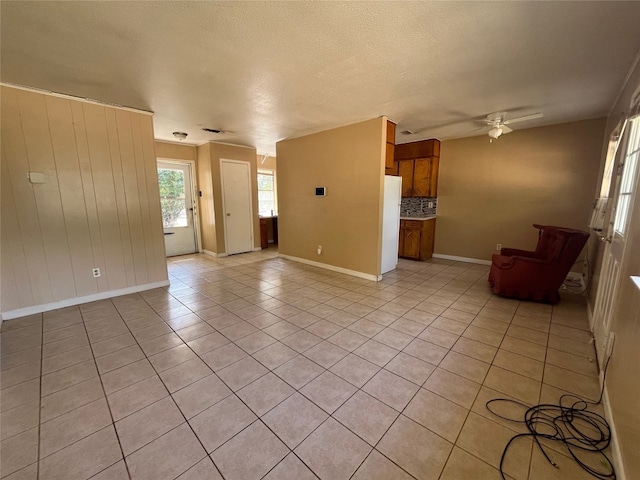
point(175, 182)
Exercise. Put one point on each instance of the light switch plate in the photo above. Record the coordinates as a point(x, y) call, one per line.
point(36, 177)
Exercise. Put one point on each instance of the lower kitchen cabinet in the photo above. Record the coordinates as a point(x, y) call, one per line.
point(416, 239)
point(409, 241)
point(264, 233)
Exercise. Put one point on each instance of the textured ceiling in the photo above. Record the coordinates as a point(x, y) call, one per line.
point(265, 71)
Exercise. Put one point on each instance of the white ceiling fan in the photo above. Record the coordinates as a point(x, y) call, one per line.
point(498, 122)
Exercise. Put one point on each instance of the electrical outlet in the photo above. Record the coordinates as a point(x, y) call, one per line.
point(499, 246)
point(319, 249)
point(96, 272)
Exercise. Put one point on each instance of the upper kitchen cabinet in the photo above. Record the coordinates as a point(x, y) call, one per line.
point(418, 164)
point(391, 168)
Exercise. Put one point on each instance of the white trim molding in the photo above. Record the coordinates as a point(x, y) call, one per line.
point(354, 273)
point(213, 254)
point(69, 302)
point(616, 454)
point(462, 259)
point(73, 97)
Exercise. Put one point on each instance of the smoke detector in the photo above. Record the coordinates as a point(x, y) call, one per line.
point(180, 135)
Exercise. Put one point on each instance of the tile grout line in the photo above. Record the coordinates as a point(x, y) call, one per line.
point(169, 395)
point(113, 423)
point(301, 353)
point(40, 396)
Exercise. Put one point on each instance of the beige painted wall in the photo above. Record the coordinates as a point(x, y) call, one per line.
point(209, 181)
point(206, 201)
point(270, 163)
point(491, 193)
point(99, 205)
point(349, 162)
point(175, 151)
point(623, 379)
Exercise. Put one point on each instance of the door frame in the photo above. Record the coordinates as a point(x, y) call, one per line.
point(224, 208)
point(194, 195)
point(607, 294)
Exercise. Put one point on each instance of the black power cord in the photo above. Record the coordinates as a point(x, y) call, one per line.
point(570, 423)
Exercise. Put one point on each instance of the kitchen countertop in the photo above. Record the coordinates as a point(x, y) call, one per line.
point(268, 216)
point(428, 217)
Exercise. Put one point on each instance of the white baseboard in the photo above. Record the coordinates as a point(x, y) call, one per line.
point(214, 254)
point(615, 444)
point(462, 259)
point(366, 276)
point(590, 316)
point(69, 302)
point(221, 255)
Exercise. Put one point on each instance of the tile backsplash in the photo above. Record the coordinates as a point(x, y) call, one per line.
point(418, 206)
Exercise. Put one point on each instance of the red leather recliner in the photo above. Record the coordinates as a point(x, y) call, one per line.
point(537, 275)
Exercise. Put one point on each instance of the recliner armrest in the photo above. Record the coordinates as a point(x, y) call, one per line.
point(505, 262)
point(512, 252)
point(502, 261)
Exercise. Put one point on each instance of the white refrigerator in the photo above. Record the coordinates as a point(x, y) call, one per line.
point(390, 222)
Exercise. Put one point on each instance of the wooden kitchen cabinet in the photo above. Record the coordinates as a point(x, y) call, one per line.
point(417, 177)
point(264, 233)
point(418, 164)
point(389, 162)
point(409, 241)
point(422, 177)
point(427, 239)
point(391, 132)
point(420, 149)
point(405, 170)
point(416, 239)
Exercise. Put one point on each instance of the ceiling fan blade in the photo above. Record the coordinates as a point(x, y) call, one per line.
point(506, 129)
point(496, 118)
point(524, 118)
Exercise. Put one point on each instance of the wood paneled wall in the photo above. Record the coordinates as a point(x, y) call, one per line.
point(98, 207)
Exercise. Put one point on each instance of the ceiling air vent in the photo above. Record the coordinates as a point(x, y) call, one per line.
point(213, 130)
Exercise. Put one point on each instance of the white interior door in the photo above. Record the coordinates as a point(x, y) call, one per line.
point(615, 239)
point(236, 201)
point(176, 201)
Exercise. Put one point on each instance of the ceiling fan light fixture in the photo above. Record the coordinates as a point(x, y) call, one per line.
point(495, 132)
point(180, 135)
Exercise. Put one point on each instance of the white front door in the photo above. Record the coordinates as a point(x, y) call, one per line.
point(236, 202)
point(615, 237)
point(176, 202)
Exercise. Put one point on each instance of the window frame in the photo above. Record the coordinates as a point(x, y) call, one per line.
point(629, 171)
point(271, 173)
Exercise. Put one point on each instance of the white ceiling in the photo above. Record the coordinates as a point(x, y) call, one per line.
point(271, 70)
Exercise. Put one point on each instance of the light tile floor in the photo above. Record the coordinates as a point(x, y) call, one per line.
point(253, 367)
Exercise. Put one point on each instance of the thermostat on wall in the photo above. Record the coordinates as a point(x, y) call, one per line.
point(321, 191)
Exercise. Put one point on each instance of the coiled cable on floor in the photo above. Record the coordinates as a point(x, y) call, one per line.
point(569, 423)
